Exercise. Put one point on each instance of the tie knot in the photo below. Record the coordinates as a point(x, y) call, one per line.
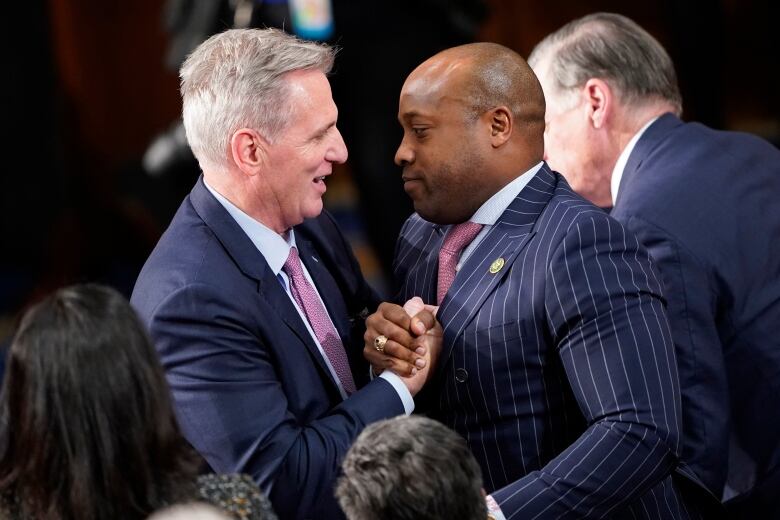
point(292, 266)
point(460, 235)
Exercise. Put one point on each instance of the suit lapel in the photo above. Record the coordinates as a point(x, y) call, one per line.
point(326, 286)
point(430, 264)
point(333, 299)
point(277, 299)
point(654, 134)
point(504, 242)
point(252, 263)
point(422, 259)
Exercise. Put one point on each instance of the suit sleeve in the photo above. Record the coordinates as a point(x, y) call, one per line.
point(606, 314)
point(692, 308)
point(232, 406)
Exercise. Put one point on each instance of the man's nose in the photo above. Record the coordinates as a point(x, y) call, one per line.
point(404, 155)
point(338, 151)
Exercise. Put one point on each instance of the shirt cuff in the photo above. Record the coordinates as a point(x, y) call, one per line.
point(400, 388)
point(494, 512)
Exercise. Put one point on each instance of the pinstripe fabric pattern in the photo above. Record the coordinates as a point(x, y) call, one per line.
point(558, 369)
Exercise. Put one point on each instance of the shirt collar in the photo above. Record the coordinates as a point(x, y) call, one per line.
point(620, 165)
point(273, 246)
point(489, 212)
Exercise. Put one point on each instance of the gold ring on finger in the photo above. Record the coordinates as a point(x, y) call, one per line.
point(379, 343)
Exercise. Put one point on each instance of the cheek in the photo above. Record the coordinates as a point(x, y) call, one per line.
point(453, 184)
point(553, 145)
point(551, 153)
point(438, 179)
point(563, 153)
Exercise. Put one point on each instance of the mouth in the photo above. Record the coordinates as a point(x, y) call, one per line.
point(319, 186)
point(410, 180)
point(412, 185)
point(319, 183)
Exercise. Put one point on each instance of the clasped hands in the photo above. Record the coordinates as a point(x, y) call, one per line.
point(414, 339)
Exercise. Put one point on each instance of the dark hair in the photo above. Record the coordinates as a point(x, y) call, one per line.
point(89, 431)
point(409, 468)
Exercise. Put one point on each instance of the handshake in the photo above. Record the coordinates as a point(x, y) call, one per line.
point(406, 340)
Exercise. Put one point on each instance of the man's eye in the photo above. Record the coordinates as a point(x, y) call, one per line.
point(419, 131)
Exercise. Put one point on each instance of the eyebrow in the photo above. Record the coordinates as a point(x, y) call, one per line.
point(412, 114)
point(324, 129)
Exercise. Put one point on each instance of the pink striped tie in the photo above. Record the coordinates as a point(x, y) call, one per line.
point(320, 322)
point(458, 238)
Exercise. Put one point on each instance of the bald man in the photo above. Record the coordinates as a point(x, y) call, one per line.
point(557, 363)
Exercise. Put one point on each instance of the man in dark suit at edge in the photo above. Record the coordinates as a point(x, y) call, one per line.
point(253, 298)
point(557, 363)
point(705, 204)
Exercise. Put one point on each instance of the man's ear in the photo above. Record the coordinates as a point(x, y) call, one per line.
point(249, 150)
point(501, 125)
point(599, 98)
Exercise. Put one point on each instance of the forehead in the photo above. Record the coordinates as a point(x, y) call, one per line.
point(312, 106)
point(433, 89)
point(308, 89)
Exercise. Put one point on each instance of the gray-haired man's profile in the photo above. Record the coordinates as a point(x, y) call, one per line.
point(253, 297)
point(704, 203)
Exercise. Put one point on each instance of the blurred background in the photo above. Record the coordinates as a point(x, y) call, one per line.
point(96, 161)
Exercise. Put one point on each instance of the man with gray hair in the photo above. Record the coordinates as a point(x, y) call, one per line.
point(410, 467)
point(704, 202)
point(253, 298)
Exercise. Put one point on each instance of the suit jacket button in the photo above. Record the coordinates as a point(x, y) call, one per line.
point(461, 375)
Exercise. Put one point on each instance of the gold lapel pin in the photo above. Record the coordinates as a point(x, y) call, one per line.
point(496, 266)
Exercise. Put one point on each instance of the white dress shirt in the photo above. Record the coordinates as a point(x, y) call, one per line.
point(489, 212)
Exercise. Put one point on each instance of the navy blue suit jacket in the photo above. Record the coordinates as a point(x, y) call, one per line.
point(251, 390)
point(558, 369)
point(707, 206)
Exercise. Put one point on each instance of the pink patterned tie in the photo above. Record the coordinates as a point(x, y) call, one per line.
point(323, 328)
point(458, 237)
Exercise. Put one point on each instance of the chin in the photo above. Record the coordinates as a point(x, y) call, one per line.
point(429, 214)
point(313, 210)
point(421, 210)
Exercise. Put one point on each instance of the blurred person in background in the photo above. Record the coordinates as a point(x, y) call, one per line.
point(195, 511)
point(407, 468)
point(705, 204)
point(88, 429)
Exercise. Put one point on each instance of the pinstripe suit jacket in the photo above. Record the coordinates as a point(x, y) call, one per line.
point(559, 368)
